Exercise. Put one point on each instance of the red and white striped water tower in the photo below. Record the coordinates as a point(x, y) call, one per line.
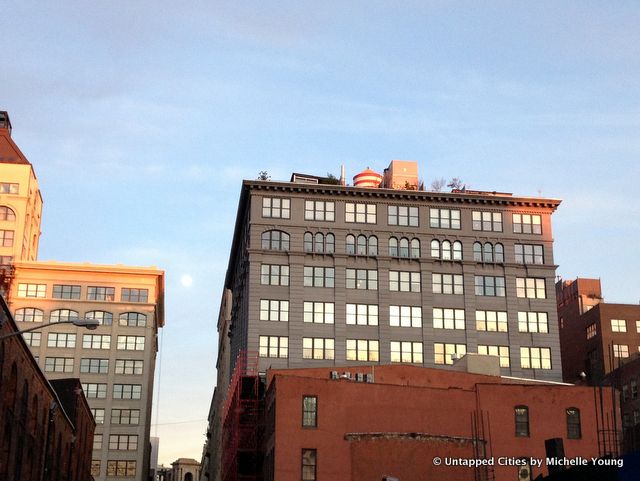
point(367, 178)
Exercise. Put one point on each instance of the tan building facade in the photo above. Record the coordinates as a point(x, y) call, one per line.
point(115, 362)
point(20, 201)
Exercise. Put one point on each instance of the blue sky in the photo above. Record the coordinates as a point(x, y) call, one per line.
point(143, 117)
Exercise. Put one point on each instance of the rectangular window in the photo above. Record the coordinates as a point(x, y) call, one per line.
point(276, 207)
point(6, 238)
point(591, 331)
point(405, 316)
point(58, 364)
point(535, 358)
point(522, 421)
point(309, 464)
point(309, 411)
point(633, 384)
point(274, 346)
point(531, 288)
point(491, 321)
point(406, 351)
point(319, 312)
point(638, 327)
point(360, 213)
point(403, 215)
point(447, 283)
point(127, 391)
point(444, 218)
point(533, 322)
point(319, 210)
point(98, 415)
point(9, 188)
point(362, 314)
point(94, 366)
point(446, 353)
point(448, 318)
point(362, 350)
point(529, 254)
point(129, 366)
point(123, 442)
point(618, 325)
point(490, 286)
point(620, 350)
point(61, 339)
point(97, 442)
point(527, 224)
point(95, 468)
point(487, 221)
point(62, 291)
point(96, 293)
point(125, 469)
point(130, 343)
point(362, 279)
point(125, 416)
point(404, 281)
point(32, 338)
point(32, 290)
point(319, 276)
point(274, 310)
point(94, 390)
point(128, 294)
point(274, 275)
point(96, 341)
point(501, 351)
point(317, 348)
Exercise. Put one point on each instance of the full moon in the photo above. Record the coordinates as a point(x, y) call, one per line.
point(186, 280)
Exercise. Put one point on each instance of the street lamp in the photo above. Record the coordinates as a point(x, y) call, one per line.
point(88, 323)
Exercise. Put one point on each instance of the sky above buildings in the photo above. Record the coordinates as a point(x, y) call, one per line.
point(142, 118)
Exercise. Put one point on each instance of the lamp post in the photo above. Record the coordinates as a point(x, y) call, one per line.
point(88, 323)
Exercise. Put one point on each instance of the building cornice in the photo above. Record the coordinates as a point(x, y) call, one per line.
point(483, 199)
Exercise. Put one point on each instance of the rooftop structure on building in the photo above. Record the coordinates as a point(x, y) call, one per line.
point(386, 272)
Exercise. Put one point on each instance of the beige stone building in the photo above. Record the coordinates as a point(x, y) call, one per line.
point(116, 361)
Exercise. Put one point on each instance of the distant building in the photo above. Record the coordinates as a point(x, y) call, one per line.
point(47, 427)
point(391, 422)
point(595, 336)
point(115, 362)
point(324, 274)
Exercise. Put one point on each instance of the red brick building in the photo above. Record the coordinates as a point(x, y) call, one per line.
point(372, 422)
point(46, 428)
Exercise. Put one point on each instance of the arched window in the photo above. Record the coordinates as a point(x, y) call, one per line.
point(318, 243)
point(133, 319)
point(24, 405)
point(275, 240)
point(415, 248)
point(362, 245)
point(63, 315)
point(487, 252)
point(446, 251)
point(521, 414)
point(308, 242)
point(330, 243)
point(7, 213)
point(574, 430)
point(105, 318)
point(477, 252)
point(498, 253)
point(457, 251)
point(373, 245)
point(350, 247)
point(393, 247)
point(29, 314)
point(404, 247)
point(435, 248)
point(188, 477)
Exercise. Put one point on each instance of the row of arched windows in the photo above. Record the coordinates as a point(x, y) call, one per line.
point(363, 245)
point(32, 314)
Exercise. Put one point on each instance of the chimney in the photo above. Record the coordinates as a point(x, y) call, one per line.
point(5, 123)
point(343, 176)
